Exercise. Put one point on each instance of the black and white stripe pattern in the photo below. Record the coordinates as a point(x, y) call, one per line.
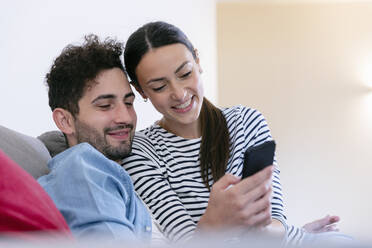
point(166, 174)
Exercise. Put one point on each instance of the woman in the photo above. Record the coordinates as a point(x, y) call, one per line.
point(196, 145)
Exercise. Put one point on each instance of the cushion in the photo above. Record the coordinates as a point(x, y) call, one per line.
point(28, 152)
point(54, 141)
point(24, 204)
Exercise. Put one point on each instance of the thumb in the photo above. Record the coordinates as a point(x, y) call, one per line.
point(317, 224)
point(334, 219)
point(225, 182)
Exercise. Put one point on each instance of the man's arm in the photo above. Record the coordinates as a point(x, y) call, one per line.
point(93, 196)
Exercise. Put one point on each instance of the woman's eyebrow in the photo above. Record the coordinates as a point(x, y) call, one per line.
point(180, 67)
point(155, 79)
point(163, 78)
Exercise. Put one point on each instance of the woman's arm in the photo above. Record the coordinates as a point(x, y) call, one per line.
point(154, 189)
point(236, 203)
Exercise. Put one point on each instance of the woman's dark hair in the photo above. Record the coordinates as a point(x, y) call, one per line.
point(76, 67)
point(215, 146)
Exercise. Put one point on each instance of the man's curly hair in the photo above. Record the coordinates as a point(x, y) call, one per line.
point(77, 66)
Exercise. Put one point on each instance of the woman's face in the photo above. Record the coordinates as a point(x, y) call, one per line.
point(170, 77)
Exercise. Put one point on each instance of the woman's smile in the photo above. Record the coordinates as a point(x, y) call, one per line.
point(184, 107)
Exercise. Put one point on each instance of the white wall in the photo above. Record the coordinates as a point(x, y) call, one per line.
point(308, 68)
point(33, 33)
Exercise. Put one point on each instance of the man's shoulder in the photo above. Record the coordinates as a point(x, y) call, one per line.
point(83, 164)
point(79, 151)
point(82, 158)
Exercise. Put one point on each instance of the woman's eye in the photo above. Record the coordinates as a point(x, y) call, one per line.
point(158, 88)
point(186, 74)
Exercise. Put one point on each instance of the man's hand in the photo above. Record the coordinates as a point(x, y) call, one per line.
point(236, 203)
point(326, 224)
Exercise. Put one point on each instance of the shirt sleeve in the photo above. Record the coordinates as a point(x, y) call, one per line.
point(153, 187)
point(88, 191)
point(256, 131)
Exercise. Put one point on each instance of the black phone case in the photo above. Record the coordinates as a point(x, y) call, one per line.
point(258, 157)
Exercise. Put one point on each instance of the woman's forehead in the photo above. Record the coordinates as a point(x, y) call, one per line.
point(166, 58)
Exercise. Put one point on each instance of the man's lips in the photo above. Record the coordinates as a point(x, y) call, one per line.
point(120, 134)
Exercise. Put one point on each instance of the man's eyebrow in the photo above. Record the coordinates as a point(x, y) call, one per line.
point(130, 94)
point(107, 96)
point(180, 67)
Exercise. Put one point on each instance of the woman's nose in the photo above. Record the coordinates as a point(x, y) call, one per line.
point(178, 93)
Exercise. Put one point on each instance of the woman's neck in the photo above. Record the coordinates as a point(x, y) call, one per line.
point(187, 131)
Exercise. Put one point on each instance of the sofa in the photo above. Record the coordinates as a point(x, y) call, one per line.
point(25, 207)
point(28, 152)
point(33, 153)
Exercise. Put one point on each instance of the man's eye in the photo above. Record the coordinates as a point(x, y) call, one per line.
point(159, 88)
point(106, 106)
point(129, 103)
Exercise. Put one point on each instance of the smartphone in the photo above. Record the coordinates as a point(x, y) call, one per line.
point(258, 157)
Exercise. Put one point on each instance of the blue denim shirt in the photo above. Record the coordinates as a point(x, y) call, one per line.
point(96, 195)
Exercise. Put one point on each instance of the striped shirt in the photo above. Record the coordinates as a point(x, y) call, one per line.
point(165, 170)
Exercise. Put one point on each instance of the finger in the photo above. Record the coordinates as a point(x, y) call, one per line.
point(334, 219)
point(319, 224)
point(259, 219)
point(251, 182)
point(261, 191)
point(328, 220)
point(267, 219)
point(328, 228)
point(258, 212)
point(225, 181)
point(331, 228)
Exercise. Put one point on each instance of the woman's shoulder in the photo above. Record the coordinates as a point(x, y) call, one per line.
point(153, 133)
point(145, 136)
point(240, 111)
point(152, 138)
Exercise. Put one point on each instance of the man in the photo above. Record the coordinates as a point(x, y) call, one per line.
point(92, 105)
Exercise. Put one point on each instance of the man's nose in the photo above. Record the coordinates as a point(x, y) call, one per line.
point(123, 115)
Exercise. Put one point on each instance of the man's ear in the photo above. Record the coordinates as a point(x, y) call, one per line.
point(139, 90)
point(64, 120)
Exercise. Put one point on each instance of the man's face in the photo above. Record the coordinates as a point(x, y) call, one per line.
point(107, 119)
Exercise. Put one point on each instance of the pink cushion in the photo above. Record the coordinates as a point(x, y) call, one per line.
point(24, 204)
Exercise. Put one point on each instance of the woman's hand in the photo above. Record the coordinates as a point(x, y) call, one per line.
point(326, 224)
point(236, 203)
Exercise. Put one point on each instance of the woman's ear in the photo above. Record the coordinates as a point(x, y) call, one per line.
point(197, 60)
point(64, 121)
point(139, 90)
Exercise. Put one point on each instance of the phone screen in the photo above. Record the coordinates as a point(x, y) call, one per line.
point(258, 157)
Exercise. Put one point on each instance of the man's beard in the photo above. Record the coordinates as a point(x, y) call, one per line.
point(86, 133)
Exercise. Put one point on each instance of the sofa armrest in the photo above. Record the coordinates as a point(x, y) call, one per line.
point(28, 152)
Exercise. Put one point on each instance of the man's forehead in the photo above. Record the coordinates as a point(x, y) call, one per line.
point(109, 82)
point(94, 93)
